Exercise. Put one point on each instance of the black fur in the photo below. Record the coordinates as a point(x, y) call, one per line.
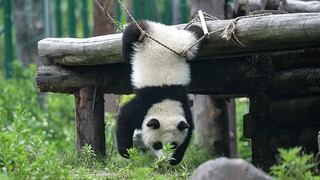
point(196, 30)
point(131, 35)
point(132, 114)
point(154, 123)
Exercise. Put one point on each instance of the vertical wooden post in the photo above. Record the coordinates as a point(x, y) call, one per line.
point(262, 154)
point(232, 127)
point(184, 11)
point(167, 13)
point(58, 17)
point(8, 38)
point(148, 10)
point(137, 9)
point(72, 18)
point(118, 12)
point(85, 18)
point(90, 119)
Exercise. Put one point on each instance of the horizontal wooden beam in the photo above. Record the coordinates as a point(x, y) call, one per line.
point(234, 78)
point(298, 112)
point(296, 82)
point(291, 73)
point(259, 34)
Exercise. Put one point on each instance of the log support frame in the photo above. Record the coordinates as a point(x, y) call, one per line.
point(285, 119)
point(288, 68)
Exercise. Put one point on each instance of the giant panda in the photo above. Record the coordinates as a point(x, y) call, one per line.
point(160, 79)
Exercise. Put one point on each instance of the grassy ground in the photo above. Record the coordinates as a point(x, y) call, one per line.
point(38, 142)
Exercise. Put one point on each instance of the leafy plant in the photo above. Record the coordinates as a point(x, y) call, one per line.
point(162, 163)
point(293, 165)
point(87, 157)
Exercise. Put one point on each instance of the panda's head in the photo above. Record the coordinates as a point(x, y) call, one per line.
point(165, 123)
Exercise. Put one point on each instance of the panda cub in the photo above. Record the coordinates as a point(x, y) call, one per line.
point(160, 78)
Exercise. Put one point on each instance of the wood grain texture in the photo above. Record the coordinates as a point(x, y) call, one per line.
point(294, 74)
point(232, 77)
point(298, 6)
point(295, 112)
point(259, 34)
point(296, 82)
point(90, 120)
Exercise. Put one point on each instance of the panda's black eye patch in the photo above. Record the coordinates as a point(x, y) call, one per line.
point(157, 146)
point(154, 124)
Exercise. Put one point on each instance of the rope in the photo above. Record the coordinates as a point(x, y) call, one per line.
point(228, 32)
point(106, 13)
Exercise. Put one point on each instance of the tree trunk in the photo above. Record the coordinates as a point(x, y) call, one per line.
point(90, 119)
point(102, 24)
point(212, 116)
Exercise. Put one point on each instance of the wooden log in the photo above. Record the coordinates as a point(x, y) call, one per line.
point(293, 137)
point(111, 79)
point(295, 59)
point(234, 77)
point(90, 119)
point(297, 6)
point(297, 81)
point(262, 154)
point(259, 34)
point(89, 51)
point(298, 112)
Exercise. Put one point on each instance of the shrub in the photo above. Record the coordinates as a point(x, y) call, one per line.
point(293, 165)
point(30, 135)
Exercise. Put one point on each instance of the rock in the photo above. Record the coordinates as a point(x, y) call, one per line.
point(228, 169)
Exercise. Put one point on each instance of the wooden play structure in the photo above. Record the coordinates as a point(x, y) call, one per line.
point(277, 66)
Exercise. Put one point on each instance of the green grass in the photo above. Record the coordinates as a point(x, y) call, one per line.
point(244, 144)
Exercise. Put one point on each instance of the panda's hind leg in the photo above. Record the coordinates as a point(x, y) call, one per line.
point(125, 129)
point(131, 35)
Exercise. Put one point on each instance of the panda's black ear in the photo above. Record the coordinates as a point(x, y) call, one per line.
point(154, 124)
point(183, 125)
point(197, 30)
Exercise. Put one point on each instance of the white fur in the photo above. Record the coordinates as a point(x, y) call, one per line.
point(169, 113)
point(155, 65)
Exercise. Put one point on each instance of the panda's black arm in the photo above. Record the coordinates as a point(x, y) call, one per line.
point(125, 129)
point(179, 152)
point(131, 35)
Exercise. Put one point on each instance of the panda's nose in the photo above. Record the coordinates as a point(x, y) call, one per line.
point(157, 146)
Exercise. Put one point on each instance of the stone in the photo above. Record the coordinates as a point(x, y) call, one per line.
point(228, 169)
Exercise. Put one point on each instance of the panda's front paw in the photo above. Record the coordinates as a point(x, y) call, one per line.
point(174, 162)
